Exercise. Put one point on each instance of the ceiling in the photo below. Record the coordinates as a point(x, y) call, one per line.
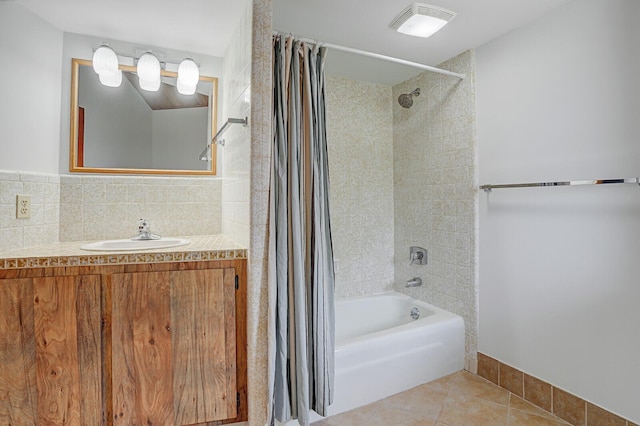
point(206, 26)
point(193, 26)
point(364, 25)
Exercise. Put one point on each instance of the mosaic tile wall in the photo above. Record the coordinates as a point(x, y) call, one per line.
point(236, 153)
point(360, 145)
point(435, 181)
point(105, 207)
point(42, 227)
point(257, 295)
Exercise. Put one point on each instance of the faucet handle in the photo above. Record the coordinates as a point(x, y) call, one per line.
point(417, 255)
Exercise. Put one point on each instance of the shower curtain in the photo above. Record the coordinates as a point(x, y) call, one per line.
point(301, 274)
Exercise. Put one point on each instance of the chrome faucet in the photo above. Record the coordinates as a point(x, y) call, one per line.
point(414, 282)
point(144, 231)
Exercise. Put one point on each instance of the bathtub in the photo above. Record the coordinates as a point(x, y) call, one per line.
point(381, 350)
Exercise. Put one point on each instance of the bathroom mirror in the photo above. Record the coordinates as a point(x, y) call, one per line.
point(129, 130)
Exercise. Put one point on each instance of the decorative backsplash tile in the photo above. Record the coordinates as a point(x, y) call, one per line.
point(202, 247)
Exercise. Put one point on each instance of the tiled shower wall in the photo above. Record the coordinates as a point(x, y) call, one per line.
point(360, 146)
point(43, 226)
point(236, 153)
point(434, 192)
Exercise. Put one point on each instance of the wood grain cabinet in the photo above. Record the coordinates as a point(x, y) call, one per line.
point(153, 344)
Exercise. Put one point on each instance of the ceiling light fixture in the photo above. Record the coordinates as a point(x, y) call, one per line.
point(422, 20)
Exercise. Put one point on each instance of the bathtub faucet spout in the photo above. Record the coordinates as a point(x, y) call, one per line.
point(414, 282)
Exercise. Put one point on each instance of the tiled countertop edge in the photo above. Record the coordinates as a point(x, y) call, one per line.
point(202, 248)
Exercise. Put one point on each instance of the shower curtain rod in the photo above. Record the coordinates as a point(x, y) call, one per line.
point(378, 56)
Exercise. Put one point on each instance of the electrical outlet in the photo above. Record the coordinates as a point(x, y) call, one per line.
point(23, 206)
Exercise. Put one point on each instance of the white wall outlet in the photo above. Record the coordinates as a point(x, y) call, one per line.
point(23, 206)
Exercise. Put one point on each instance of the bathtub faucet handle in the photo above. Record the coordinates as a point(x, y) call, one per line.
point(417, 255)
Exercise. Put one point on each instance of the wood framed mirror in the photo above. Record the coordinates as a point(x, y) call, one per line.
point(128, 130)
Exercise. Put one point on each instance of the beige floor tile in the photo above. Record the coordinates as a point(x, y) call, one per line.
point(523, 418)
point(467, 384)
point(386, 416)
point(359, 416)
point(462, 410)
point(425, 400)
point(517, 403)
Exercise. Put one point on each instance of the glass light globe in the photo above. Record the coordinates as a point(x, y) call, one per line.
point(114, 80)
point(185, 89)
point(188, 72)
point(148, 68)
point(105, 61)
point(149, 85)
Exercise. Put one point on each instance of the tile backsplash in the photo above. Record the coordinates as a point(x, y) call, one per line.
point(80, 208)
point(101, 207)
point(43, 225)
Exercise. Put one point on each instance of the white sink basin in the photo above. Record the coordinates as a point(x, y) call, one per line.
point(128, 244)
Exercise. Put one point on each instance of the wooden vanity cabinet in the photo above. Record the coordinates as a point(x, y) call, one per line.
point(149, 344)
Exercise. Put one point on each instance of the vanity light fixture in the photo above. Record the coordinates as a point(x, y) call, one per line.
point(188, 77)
point(149, 72)
point(149, 68)
point(422, 20)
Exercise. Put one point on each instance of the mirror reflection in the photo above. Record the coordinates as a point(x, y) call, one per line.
point(130, 130)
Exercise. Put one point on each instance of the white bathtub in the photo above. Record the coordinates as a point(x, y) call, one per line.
point(381, 350)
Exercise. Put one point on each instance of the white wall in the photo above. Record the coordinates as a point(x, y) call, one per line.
point(560, 100)
point(31, 52)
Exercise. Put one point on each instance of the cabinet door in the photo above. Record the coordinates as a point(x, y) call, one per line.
point(50, 351)
point(173, 347)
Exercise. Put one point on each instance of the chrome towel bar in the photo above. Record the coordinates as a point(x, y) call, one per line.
point(205, 155)
point(489, 187)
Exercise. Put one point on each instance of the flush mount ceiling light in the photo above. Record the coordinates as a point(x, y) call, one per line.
point(422, 20)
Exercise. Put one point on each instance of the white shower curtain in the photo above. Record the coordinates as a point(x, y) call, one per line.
point(301, 274)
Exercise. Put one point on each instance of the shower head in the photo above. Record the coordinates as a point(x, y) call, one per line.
point(406, 99)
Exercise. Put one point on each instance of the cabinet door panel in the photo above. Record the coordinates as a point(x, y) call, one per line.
point(57, 372)
point(90, 357)
point(18, 393)
point(203, 345)
point(141, 349)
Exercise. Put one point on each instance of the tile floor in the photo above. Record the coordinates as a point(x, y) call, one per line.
point(459, 399)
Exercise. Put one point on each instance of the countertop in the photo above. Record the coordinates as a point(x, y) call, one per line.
point(201, 247)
